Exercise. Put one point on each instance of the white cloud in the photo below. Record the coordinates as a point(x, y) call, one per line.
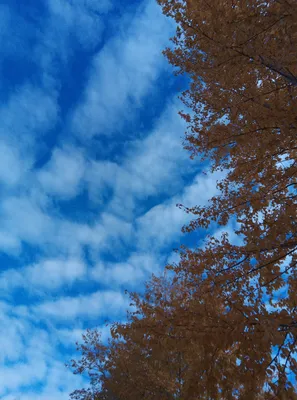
point(31, 219)
point(9, 243)
point(53, 273)
point(49, 274)
point(69, 337)
point(11, 337)
point(162, 224)
point(60, 384)
point(11, 165)
point(150, 167)
point(25, 119)
point(56, 381)
point(173, 258)
point(108, 232)
point(230, 229)
point(24, 219)
point(69, 23)
point(79, 18)
point(27, 116)
point(98, 304)
point(23, 352)
point(29, 357)
point(130, 273)
point(22, 374)
point(122, 73)
point(63, 174)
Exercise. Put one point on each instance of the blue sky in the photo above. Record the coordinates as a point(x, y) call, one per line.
point(91, 169)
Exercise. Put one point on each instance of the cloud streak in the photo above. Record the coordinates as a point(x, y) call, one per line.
point(50, 274)
point(122, 73)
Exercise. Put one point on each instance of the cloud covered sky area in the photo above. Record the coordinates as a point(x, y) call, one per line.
point(91, 169)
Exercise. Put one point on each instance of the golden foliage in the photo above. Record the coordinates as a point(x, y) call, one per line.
point(242, 60)
point(225, 326)
point(182, 345)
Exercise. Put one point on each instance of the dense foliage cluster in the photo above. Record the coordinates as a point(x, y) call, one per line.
point(225, 326)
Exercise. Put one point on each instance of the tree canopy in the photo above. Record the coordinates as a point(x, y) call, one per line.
point(225, 325)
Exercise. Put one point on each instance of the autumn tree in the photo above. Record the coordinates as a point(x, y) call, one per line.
point(168, 349)
point(225, 326)
point(242, 60)
point(181, 345)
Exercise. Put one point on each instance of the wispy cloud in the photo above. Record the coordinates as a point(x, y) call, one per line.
point(29, 113)
point(150, 167)
point(79, 19)
point(122, 73)
point(29, 357)
point(69, 26)
point(162, 224)
point(24, 219)
point(137, 268)
point(32, 220)
point(96, 305)
point(50, 274)
point(11, 165)
point(62, 175)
